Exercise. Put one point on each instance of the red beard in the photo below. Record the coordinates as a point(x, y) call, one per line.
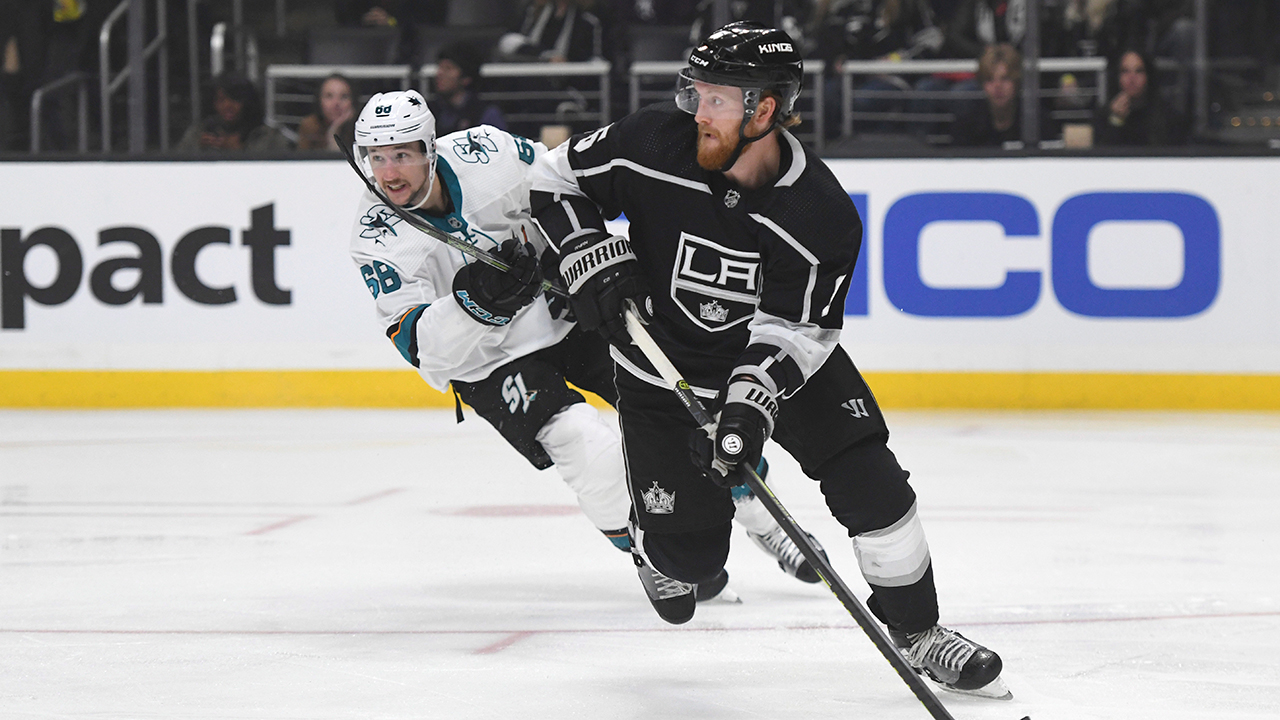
point(714, 157)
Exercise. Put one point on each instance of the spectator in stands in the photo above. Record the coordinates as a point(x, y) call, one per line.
point(334, 115)
point(659, 12)
point(51, 39)
point(792, 16)
point(998, 120)
point(555, 31)
point(390, 13)
point(1082, 28)
point(1136, 115)
point(454, 99)
point(405, 15)
point(236, 124)
point(890, 30)
point(980, 23)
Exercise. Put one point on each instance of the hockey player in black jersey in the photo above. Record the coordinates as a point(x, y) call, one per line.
point(741, 247)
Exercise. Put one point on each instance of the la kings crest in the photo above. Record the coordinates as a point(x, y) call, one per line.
point(715, 286)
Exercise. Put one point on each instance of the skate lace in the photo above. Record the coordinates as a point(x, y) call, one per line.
point(666, 587)
point(941, 648)
point(780, 545)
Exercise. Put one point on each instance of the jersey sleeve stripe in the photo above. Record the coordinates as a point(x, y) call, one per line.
point(404, 334)
point(646, 171)
point(806, 313)
point(795, 244)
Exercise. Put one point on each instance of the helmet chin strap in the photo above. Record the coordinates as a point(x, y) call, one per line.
point(751, 103)
point(431, 180)
point(743, 142)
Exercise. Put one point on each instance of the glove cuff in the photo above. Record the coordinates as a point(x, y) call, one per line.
point(591, 255)
point(462, 293)
point(749, 392)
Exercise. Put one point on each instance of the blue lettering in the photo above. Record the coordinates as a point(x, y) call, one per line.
point(1202, 255)
point(856, 302)
point(902, 227)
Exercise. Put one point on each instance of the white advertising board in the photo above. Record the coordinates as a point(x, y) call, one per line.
point(1009, 265)
point(247, 262)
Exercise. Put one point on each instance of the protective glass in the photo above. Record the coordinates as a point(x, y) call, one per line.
point(400, 168)
point(709, 100)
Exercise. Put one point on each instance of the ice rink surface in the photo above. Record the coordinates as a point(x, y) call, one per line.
point(394, 564)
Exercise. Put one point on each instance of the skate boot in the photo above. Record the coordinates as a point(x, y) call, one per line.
point(716, 589)
point(790, 559)
point(673, 600)
point(953, 661)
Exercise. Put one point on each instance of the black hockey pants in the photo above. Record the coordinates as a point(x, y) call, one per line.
point(833, 427)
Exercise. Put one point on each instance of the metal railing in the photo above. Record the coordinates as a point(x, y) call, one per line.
point(138, 57)
point(812, 94)
point(871, 68)
point(279, 88)
point(579, 97)
point(282, 93)
point(80, 80)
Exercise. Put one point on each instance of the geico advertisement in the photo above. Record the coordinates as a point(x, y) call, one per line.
point(1125, 265)
point(1131, 265)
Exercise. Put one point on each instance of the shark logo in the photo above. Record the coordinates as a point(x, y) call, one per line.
point(379, 222)
point(475, 147)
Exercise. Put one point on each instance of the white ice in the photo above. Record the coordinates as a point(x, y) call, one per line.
point(394, 564)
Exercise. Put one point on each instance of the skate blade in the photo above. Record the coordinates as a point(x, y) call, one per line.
point(726, 595)
point(994, 690)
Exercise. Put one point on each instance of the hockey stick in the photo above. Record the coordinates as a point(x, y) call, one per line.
point(819, 562)
point(458, 244)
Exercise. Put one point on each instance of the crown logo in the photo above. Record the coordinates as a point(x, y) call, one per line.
point(713, 311)
point(658, 501)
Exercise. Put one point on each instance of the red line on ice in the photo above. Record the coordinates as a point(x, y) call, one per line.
point(278, 525)
point(505, 642)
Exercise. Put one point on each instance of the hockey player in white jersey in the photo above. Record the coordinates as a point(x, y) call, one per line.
point(505, 349)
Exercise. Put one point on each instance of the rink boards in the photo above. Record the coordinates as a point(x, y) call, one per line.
point(1098, 283)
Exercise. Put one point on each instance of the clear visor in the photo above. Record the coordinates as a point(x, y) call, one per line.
point(403, 172)
point(407, 155)
point(709, 100)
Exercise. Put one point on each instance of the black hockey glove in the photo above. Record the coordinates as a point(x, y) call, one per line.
point(492, 296)
point(746, 421)
point(602, 274)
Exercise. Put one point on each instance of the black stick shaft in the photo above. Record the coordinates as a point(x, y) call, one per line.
point(820, 563)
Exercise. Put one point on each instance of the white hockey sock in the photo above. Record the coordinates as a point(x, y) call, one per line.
point(588, 455)
point(752, 515)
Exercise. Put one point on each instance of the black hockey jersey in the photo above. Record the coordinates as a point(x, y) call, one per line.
point(740, 278)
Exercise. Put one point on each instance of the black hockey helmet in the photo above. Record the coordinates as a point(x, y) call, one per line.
point(750, 55)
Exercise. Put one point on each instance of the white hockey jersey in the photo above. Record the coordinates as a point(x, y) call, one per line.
point(410, 274)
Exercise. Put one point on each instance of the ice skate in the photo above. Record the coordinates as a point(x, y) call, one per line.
point(716, 589)
point(790, 559)
point(953, 661)
point(673, 600)
point(751, 514)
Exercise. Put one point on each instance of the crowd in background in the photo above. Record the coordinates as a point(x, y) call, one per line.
point(1148, 44)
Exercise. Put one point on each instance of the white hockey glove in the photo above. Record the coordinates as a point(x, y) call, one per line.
point(601, 274)
point(745, 422)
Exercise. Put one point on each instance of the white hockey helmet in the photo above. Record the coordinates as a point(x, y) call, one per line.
point(395, 118)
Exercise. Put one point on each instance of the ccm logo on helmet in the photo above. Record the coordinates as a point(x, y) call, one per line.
point(775, 47)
